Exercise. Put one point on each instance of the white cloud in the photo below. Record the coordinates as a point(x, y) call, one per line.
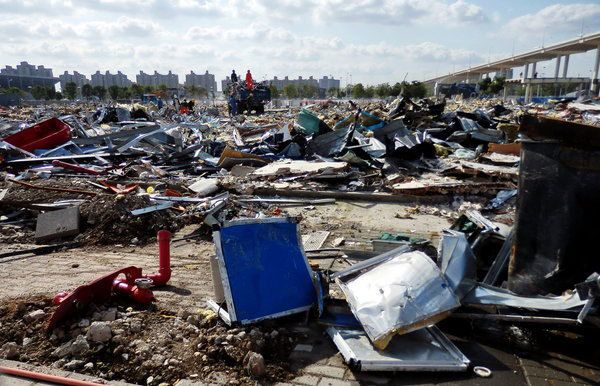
point(558, 18)
point(396, 12)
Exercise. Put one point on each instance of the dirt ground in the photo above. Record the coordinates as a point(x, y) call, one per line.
point(175, 338)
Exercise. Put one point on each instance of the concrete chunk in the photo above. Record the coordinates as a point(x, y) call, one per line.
point(58, 223)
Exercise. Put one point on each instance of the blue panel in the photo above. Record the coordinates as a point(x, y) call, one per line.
point(267, 270)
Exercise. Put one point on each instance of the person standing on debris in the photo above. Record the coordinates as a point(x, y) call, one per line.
point(234, 77)
point(249, 81)
point(159, 103)
point(232, 105)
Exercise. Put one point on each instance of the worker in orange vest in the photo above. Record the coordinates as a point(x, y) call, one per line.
point(249, 82)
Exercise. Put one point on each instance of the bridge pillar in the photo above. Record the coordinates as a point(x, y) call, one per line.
point(566, 66)
point(557, 68)
point(526, 71)
point(533, 69)
point(594, 87)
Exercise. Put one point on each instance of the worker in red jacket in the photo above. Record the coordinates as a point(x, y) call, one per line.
point(249, 82)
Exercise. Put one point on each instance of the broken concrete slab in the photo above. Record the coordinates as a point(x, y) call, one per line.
point(56, 224)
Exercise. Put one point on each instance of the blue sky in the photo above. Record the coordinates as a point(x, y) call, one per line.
point(368, 41)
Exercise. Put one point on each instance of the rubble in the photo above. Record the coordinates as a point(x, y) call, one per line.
point(117, 175)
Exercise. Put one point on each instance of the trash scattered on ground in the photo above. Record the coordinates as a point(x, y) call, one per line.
point(107, 175)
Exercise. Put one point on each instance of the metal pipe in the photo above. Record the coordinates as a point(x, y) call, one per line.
point(45, 377)
point(76, 168)
point(164, 270)
point(135, 293)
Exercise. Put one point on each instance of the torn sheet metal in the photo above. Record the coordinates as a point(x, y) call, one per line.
point(500, 263)
point(402, 294)
point(458, 262)
point(263, 269)
point(493, 296)
point(427, 349)
point(299, 167)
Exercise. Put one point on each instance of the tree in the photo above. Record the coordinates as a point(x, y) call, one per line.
point(100, 92)
point(70, 90)
point(113, 91)
point(333, 91)
point(274, 92)
point(148, 89)
point(162, 87)
point(58, 96)
point(396, 89)
point(87, 91)
point(124, 93)
point(12, 90)
point(138, 90)
point(50, 93)
point(383, 90)
point(370, 92)
point(290, 91)
point(484, 84)
point(497, 84)
point(38, 92)
point(414, 90)
point(358, 91)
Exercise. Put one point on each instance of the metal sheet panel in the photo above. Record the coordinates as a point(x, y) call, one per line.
point(427, 349)
point(397, 296)
point(494, 296)
point(264, 270)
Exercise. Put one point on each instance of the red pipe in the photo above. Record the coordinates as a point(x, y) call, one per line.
point(45, 377)
point(77, 168)
point(164, 251)
point(140, 295)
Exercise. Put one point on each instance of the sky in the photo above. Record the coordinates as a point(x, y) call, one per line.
point(367, 41)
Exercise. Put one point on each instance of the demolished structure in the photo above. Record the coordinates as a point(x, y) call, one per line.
point(99, 176)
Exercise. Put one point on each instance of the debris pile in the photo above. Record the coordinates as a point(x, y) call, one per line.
point(149, 345)
point(120, 174)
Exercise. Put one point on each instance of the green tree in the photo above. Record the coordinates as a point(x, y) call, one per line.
point(148, 89)
point(383, 90)
point(50, 93)
point(124, 93)
point(70, 90)
point(12, 90)
point(87, 91)
point(498, 84)
point(58, 96)
point(396, 89)
point(137, 90)
point(274, 92)
point(100, 92)
point(414, 89)
point(333, 91)
point(358, 91)
point(484, 84)
point(162, 87)
point(370, 92)
point(38, 92)
point(290, 91)
point(113, 91)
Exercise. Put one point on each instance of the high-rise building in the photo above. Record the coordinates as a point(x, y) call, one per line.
point(77, 78)
point(170, 80)
point(107, 79)
point(25, 76)
point(224, 83)
point(327, 83)
point(207, 81)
